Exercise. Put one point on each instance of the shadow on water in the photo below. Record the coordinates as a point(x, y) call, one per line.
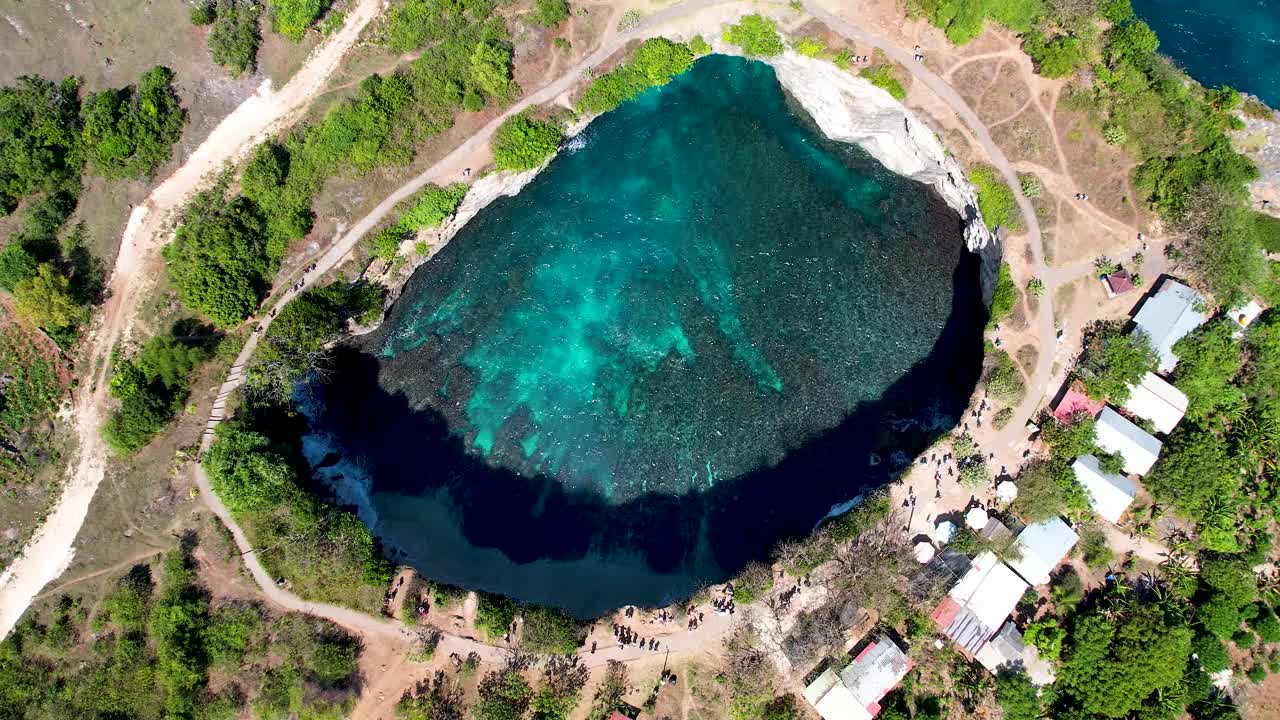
point(411, 452)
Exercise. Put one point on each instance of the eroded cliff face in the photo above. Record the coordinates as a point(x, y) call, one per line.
point(850, 109)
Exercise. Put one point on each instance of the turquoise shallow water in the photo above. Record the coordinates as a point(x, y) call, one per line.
point(701, 327)
point(1221, 42)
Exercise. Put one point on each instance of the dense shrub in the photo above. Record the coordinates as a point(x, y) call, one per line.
point(1004, 296)
point(130, 132)
point(1004, 380)
point(234, 37)
point(548, 631)
point(995, 199)
point(39, 138)
point(220, 260)
point(550, 13)
point(882, 76)
point(151, 388)
point(1113, 360)
point(203, 13)
point(291, 18)
point(654, 63)
point(47, 300)
point(1211, 653)
point(494, 614)
point(1058, 57)
point(297, 341)
point(756, 35)
point(699, 46)
point(523, 143)
point(1208, 361)
point(248, 470)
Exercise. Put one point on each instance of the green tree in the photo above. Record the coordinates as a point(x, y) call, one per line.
point(291, 18)
point(756, 34)
point(1113, 360)
point(1119, 662)
point(1017, 696)
point(550, 13)
point(883, 77)
point(247, 471)
point(39, 138)
point(503, 695)
point(1068, 440)
point(1208, 361)
point(46, 299)
point(654, 63)
point(1262, 374)
point(1194, 472)
point(219, 259)
point(1055, 58)
point(523, 143)
point(130, 132)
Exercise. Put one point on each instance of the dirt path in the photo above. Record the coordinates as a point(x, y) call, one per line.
point(51, 549)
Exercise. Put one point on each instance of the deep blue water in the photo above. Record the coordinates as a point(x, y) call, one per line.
point(1221, 42)
point(698, 330)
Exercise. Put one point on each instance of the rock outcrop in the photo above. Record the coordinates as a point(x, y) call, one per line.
point(850, 109)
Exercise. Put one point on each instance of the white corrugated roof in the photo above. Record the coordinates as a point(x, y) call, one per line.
point(1005, 649)
point(1156, 400)
point(840, 704)
point(875, 671)
point(1044, 545)
point(1138, 447)
point(1167, 316)
point(1109, 495)
point(990, 590)
point(1244, 316)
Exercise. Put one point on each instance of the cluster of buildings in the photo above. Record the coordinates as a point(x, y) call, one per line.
point(1170, 314)
point(984, 591)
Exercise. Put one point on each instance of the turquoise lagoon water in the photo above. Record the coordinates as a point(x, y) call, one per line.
point(698, 330)
point(1221, 42)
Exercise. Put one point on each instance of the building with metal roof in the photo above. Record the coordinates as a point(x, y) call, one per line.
point(855, 693)
point(979, 603)
point(1109, 495)
point(1040, 548)
point(1156, 400)
point(1167, 316)
point(1138, 447)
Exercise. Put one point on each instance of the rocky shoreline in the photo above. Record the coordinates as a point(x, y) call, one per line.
point(846, 108)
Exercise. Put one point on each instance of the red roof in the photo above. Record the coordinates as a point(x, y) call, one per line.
point(946, 611)
point(1076, 401)
point(1120, 282)
point(618, 716)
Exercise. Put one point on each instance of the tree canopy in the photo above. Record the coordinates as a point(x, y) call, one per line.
point(1114, 359)
point(129, 132)
point(523, 143)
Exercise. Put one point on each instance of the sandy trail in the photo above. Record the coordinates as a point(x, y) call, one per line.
point(51, 549)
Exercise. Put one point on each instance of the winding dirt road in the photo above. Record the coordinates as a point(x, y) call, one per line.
point(50, 551)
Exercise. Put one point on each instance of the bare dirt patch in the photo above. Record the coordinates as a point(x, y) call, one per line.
point(1027, 137)
point(1100, 170)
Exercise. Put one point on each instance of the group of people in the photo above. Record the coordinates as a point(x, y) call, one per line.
point(390, 596)
point(695, 618)
point(919, 54)
point(626, 637)
point(1082, 196)
point(723, 604)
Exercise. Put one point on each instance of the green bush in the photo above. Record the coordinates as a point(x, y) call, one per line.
point(753, 583)
point(1211, 653)
point(523, 143)
point(234, 37)
point(1267, 229)
point(494, 614)
point(219, 258)
point(882, 76)
point(446, 596)
point(550, 13)
point(756, 35)
point(1017, 696)
point(1054, 58)
point(1047, 636)
point(1093, 548)
point(698, 46)
point(332, 663)
point(248, 471)
point(1113, 360)
point(1004, 297)
point(995, 199)
point(654, 63)
point(203, 13)
point(291, 18)
point(809, 46)
point(1031, 185)
point(1004, 380)
point(152, 388)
